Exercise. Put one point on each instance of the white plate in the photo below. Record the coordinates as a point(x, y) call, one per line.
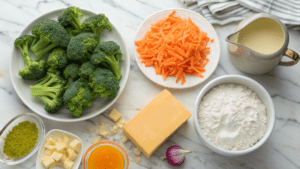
point(204, 25)
point(55, 134)
point(22, 87)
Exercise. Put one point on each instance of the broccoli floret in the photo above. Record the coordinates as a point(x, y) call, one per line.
point(33, 70)
point(57, 58)
point(71, 71)
point(50, 90)
point(108, 53)
point(104, 83)
point(77, 97)
point(71, 17)
point(51, 34)
point(96, 24)
point(81, 47)
point(72, 32)
point(86, 69)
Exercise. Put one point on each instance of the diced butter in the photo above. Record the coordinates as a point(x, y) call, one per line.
point(137, 159)
point(137, 151)
point(49, 147)
point(71, 154)
point(124, 139)
point(115, 115)
point(48, 152)
point(75, 145)
point(56, 156)
point(68, 164)
point(60, 146)
point(114, 129)
point(156, 122)
point(63, 158)
point(96, 139)
point(50, 141)
point(48, 161)
point(66, 140)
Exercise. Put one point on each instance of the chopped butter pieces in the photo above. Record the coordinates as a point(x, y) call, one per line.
point(60, 152)
point(48, 161)
point(124, 139)
point(56, 156)
point(115, 115)
point(137, 159)
point(96, 139)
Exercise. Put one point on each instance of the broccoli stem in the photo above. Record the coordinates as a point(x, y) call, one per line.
point(98, 33)
point(42, 47)
point(26, 55)
point(44, 91)
point(47, 100)
point(115, 66)
point(75, 23)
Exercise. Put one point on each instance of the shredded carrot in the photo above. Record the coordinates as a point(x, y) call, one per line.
point(175, 47)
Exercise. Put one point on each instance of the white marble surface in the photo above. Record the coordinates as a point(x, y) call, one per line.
point(281, 151)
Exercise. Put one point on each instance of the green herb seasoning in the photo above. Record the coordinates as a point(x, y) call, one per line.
point(21, 139)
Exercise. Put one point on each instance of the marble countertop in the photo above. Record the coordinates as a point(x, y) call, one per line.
point(282, 150)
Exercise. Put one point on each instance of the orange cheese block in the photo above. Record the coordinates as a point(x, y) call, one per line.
point(156, 122)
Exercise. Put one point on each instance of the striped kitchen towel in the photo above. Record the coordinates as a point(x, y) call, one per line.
point(225, 11)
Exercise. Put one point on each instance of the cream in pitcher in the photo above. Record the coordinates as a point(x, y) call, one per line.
point(259, 43)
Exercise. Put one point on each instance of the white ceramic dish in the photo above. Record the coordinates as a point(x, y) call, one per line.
point(204, 25)
point(12, 123)
point(263, 96)
point(55, 134)
point(22, 87)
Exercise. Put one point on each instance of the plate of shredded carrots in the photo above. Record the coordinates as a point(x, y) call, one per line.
point(177, 48)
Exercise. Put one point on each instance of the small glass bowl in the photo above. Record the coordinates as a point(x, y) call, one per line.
point(102, 143)
point(8, 127)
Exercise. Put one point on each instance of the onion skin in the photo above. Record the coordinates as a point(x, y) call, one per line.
point(176, 155)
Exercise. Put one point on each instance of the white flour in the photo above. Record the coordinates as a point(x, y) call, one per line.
point(232, 117)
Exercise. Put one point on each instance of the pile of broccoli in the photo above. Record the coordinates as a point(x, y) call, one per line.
point(73, 65)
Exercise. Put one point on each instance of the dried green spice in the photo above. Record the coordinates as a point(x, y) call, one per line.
point(21, 139)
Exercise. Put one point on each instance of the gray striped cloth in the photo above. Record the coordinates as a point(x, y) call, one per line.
point(225, 11)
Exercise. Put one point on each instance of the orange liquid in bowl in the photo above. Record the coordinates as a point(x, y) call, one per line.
point(106, 157)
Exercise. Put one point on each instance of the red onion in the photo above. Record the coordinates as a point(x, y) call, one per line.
point(175, 155)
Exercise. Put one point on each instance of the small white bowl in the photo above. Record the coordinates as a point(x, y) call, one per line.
point(263, 96)
point(8, 127)
point(55, 133)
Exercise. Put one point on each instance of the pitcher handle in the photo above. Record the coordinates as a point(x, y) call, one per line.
point(291, 54)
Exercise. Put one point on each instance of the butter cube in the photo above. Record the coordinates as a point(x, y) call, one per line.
point(96, 139)
point(56, 156)
point(66, 140)
point(124, 139)
point(48, 152)
point(114, 129)
point(71, 154)
point(156, 122)
point(68, 164)
point(48, 161)
point(50, 141)
point(63, 158)
point(75, 145)
point(115, 115)
point(60, 146)
point(49, 147)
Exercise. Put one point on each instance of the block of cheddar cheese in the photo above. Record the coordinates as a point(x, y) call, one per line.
point(156, 122)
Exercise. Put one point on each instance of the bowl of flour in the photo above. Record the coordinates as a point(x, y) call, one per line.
point(234, 115)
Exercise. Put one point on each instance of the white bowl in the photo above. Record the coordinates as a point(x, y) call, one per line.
point(204, 25)
point(22, 87)
point(55, 133)
point(8, 127)
point(263, 96)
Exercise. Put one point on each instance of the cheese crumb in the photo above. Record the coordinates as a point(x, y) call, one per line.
point(48, 161)
point(115, 115)
point(96, 139)
point(75, 145)
point(122, 122)
point(124, 139)
point(114, 129)
point(137, 159)
point(102, 131)
point(90, 129)
point(137, 151)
